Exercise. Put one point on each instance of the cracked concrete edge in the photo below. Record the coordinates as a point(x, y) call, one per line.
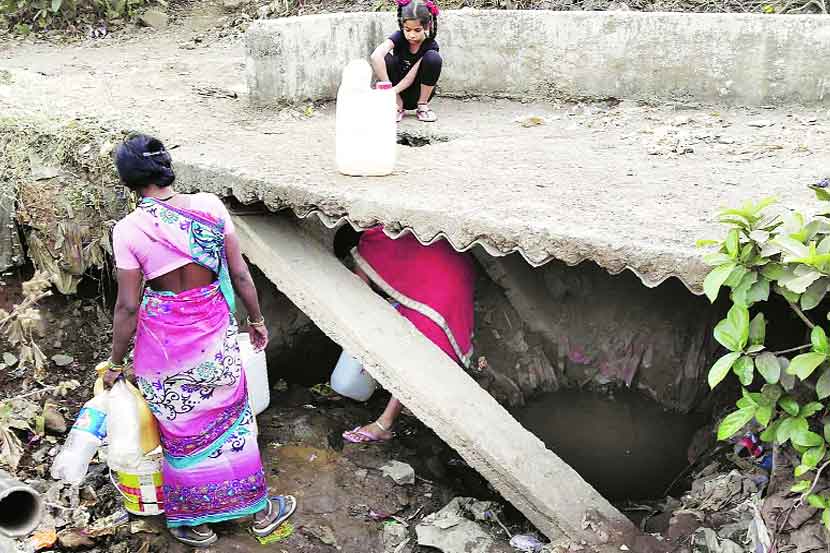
point(652, 263)
point(743, 59)
point(536, 481)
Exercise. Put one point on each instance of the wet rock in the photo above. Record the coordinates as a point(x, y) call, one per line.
point(155, 19)
point(322, 533)
point(53, 421)
point(233, 5)
point(74, 539)
point(760, 123)
point(62, 360)
point(401, 473)
point(449, 531)
point(393, 536)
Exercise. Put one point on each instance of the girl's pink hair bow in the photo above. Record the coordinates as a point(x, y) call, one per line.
point(433, 9)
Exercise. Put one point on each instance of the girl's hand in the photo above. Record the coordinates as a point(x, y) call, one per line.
point(259, 337)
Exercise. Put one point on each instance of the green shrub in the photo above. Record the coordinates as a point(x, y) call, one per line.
point(25, 16)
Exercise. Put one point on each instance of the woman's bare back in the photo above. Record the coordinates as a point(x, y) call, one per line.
point(184, 278)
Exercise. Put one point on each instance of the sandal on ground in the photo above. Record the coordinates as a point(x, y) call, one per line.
point(286, 503)
point(358, 436)
point(195, 536)
point(400, 115)
point(424, 114)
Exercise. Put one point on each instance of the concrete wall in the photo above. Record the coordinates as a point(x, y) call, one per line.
point(558, 327)
point(731, 58)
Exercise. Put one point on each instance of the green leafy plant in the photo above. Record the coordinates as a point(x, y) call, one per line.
point(784, 391)
point(26, 16)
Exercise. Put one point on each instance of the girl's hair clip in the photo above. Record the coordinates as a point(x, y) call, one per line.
point(149, 154)
point(433, 9)
point(404, 2)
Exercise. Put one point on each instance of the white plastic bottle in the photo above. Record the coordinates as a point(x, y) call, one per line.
point(351, 380)
point(366, 133)
point(86, 436)
point(255, 366)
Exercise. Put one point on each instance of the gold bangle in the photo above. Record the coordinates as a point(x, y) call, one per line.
point(260, 322)
point(108, 365)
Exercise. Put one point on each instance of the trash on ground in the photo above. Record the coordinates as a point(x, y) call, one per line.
point(285, 530)
point(526, 542)
point(74, 539)
point(531, 121)
point(107, 526)
point(401, 473)
point(43, 539)
point(450, 531)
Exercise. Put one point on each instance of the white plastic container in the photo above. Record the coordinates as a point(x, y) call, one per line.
point(256, 373)
point(86, 436)
point(351, 380)
point(366, 133)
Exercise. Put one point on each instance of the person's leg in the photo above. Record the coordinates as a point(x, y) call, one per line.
point(389, 416)
point(429, 74)
point(380, 430)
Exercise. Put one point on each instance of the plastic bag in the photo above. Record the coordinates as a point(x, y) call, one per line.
point(123, 428)
point(149, 436)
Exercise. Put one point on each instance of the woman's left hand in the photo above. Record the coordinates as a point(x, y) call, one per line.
point(259, 336)
point(110, 377)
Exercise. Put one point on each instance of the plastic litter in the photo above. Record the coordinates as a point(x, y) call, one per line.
point(526, 542)
point(285, 530)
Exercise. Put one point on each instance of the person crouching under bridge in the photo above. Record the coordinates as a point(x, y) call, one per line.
point(433, 287)
point(187, 362)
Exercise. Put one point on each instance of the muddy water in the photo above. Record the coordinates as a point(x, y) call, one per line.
point(626, 446)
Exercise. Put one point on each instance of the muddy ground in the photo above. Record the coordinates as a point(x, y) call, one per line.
point(345, 501)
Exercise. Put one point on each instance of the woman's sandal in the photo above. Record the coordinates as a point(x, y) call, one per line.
point(424, 114)
point(400, 115)
point(358, 436)
point(195, 536)
point(287, 506)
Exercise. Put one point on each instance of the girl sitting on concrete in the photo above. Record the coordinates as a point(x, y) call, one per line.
point(409, 58)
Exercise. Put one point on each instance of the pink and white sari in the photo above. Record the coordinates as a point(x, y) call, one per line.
point(432, 285)
point(188, 368)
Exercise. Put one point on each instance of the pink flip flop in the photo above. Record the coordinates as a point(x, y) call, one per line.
point(358, 436)
point(400, 115)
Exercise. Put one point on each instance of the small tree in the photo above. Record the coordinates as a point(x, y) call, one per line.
point(787, 255)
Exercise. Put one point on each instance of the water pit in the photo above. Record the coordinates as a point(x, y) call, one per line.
point(415, 140)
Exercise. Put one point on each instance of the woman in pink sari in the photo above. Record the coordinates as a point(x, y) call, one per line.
point(186, 361)
point(433, 288)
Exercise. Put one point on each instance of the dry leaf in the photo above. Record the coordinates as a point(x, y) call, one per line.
point(11, 450)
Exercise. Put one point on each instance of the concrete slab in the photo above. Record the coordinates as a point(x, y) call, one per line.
point(551, 494)
point(743, 59)
point(626, 186)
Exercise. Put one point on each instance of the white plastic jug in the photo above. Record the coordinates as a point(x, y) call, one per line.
point(351, 380)
point(256, 373)
point(366, 133)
